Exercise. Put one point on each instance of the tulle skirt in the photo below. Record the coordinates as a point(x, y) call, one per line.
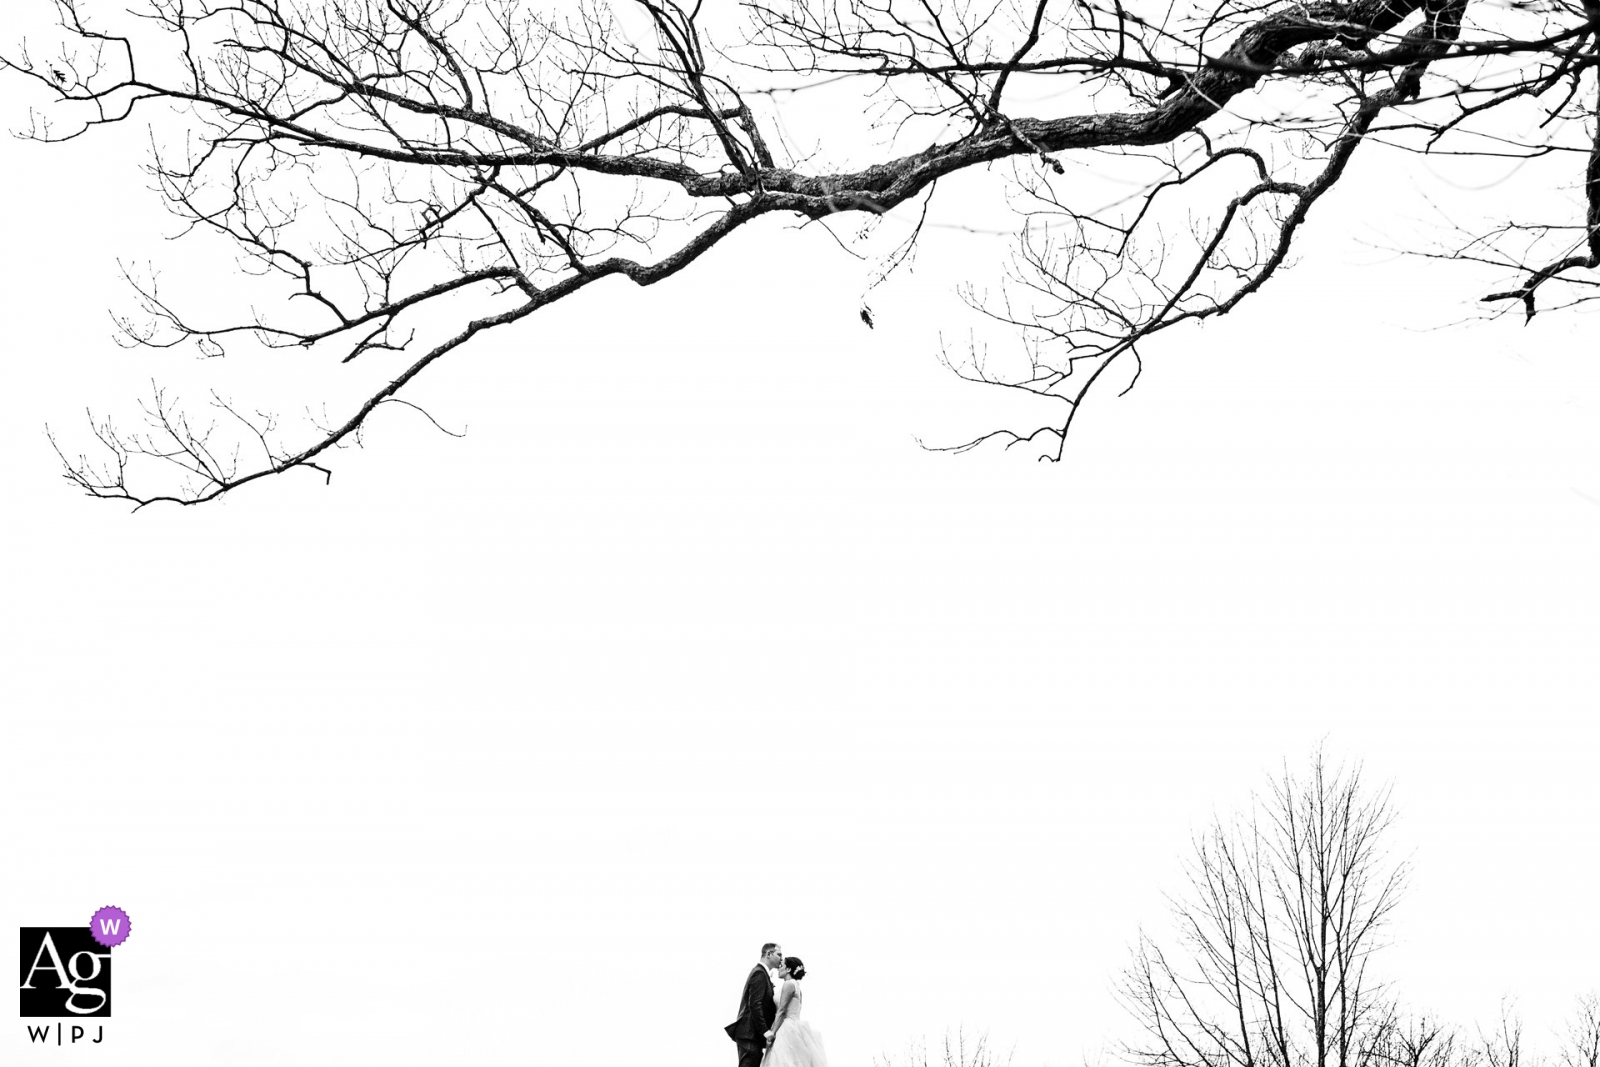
point(797, 1045)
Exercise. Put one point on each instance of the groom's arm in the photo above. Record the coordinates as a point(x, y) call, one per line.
point(751, 1006)
point(782, 1011)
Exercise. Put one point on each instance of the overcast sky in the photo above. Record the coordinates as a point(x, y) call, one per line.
point(515, 748)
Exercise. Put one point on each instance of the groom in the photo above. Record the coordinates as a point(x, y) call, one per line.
point(756, 1009)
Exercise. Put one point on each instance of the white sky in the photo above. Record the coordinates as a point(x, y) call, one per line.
point(513, 749)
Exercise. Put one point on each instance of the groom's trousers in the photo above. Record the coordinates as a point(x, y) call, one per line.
point(749, 1055)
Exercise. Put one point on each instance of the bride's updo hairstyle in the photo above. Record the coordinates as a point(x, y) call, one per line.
point(797, 970)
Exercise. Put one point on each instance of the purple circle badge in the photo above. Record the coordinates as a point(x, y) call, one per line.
point(109, 926)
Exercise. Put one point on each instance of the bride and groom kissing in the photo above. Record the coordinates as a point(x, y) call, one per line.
point(768, 1032)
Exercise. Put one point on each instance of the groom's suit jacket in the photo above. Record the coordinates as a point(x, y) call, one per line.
point(756, 1009)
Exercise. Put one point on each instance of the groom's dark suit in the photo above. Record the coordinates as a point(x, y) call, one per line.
point(756, 1012)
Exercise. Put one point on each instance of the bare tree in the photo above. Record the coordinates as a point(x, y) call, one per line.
point(1284, 909)
point(959, 1050)
point(1582, 1045)
point(1425, 1042)
point(1502, 1046)
point(1421, 1041)
point(405, 175)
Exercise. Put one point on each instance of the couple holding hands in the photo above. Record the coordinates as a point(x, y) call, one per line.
point(771, 1033)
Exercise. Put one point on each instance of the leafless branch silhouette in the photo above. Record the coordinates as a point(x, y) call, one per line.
point(404, 175)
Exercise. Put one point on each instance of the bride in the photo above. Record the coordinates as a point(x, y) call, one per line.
point(793, 1042)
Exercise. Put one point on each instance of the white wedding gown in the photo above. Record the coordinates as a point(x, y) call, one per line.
point(796, 1043)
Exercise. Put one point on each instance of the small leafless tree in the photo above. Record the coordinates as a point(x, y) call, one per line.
point(1426, 1042)
point(1501, 1046)
point(1419, 1041)
point(1504, 1044)
point(1582, 1045)
point(1283, 912)
point(405, 175)
point(958, 1050)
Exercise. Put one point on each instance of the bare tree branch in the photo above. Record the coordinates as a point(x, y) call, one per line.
point(402, 175)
